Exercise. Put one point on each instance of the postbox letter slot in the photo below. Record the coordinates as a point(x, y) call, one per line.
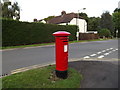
point(65, 41)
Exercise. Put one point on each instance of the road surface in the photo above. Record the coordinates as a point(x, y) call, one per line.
point(24, 57)
point(97, 74)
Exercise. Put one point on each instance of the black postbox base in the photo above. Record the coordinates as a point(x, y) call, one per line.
point(61, 74)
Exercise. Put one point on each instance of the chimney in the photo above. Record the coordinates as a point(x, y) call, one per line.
point(35, 20)
point(63, 13)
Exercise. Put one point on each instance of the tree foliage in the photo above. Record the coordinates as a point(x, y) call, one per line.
point(117, 10)
point(116, 19)
point(93, 24)
point(84, 15)
point(48, 18)
point(0, 9)
point(10, 11)
point(106, 22)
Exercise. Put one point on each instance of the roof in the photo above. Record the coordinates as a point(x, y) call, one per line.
point(64, 18)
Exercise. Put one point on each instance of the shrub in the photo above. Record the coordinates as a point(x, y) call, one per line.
point(22, 33)
point(104, 32)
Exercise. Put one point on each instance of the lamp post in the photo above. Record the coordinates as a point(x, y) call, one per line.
point(116, 33)
point(77, 23)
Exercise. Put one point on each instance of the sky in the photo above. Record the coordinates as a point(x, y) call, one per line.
point(40, 9)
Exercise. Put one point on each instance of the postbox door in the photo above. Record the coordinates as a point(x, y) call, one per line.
point(61, 53)
point(65, 53)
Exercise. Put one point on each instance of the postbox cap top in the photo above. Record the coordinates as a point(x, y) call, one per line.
point(61, 33)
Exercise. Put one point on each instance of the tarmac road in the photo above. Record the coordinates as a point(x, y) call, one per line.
point(19, 58)
point(97, 74)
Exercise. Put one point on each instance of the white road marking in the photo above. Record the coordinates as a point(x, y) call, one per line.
point(106, 54)
point(110, 52)
point(86, 57)
point(93, 55)
point(102, 56)
point(111, 48)
point(101, 59)
point(99, 52)
point(107, 49)
point(103, 50)
point(116, 49)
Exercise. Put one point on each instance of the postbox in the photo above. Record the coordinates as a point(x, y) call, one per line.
point(61, 47)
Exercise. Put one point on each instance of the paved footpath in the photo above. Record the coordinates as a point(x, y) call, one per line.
point(97, 74)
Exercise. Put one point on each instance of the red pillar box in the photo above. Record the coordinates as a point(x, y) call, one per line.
point(61, 53)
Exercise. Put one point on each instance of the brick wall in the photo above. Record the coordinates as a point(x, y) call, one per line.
point(88, 36)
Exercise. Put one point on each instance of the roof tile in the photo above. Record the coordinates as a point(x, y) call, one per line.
point(65, 18)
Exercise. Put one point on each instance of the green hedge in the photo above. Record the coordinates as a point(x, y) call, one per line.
point(23, 33)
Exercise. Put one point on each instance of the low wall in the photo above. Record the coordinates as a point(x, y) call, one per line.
point(88, 36)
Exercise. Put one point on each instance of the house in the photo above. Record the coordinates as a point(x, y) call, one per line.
point(42, 20)
point(70, 19)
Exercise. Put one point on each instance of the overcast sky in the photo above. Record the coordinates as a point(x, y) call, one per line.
point(40, 9)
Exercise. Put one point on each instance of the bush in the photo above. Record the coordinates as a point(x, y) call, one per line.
point(23, 33)
point(104, 32)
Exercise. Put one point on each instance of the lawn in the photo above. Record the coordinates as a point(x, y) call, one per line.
point(42, 78)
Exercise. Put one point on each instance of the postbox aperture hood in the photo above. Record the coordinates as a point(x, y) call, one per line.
point(61, 33)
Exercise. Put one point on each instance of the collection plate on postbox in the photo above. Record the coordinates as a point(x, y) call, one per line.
point(65, 48)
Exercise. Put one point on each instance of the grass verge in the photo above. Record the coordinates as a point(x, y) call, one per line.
point(23, 46)
point(43, 44)
point(42, 78)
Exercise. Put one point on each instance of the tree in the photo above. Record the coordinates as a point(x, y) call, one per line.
point(16, 10)
point(84, 15)
point(93, 23)
point(6, 13)
point(116, 20)
point(117, 10)
point(0, 9)
point(48, 18)
point(10, 11)
point(106, 22)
